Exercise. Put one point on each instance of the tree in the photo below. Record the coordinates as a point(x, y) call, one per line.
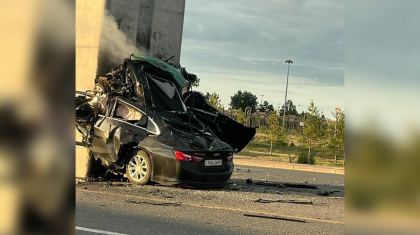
point(207, 97)
point(313, 129)
point(240, 116)
point(265, 107)
point(336, 131)
point(214, 100)
point(302, 115)
point(290, 108)
point(341, 134)
point(196, 83)
point(241, 100)
point(274, 130)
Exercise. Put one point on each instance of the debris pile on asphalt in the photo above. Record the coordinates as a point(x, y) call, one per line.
point(249, 181)
point(272, 184)
point(327, 193)
point(293, 185)
point(284, 185)
point(105, 178)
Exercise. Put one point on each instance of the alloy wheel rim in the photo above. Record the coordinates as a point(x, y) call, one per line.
point(137, 167)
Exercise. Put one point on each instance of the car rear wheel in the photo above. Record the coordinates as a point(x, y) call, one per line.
point(139, 168)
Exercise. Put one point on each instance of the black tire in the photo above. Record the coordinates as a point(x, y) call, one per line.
point(138, 168)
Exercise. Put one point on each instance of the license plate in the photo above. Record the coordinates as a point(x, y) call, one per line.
point(217, 162)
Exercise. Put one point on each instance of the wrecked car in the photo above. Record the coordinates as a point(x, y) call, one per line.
point(142, 120)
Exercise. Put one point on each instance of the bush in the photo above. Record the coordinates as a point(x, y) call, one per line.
point(281, 143)
point(291, 158)
point(304, 158)
point(311, 160)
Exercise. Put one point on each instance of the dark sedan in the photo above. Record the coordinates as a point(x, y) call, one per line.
point(137, 122)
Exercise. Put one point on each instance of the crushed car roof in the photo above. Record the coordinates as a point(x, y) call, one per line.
point(176, 73)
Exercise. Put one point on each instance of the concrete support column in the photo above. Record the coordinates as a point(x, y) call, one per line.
point(155, 25)
point(166, 29)
point(89, 15)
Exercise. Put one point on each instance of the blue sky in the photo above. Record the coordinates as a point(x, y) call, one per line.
point(242, 45)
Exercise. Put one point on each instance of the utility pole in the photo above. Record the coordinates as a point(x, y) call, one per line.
point(287, 84)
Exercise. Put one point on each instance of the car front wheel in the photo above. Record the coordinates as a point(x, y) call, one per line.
point(139, 168)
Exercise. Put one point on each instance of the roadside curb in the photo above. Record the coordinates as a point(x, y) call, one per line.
point(290, 166)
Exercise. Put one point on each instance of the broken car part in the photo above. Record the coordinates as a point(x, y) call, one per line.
point(284, 201)
point(289, 185)
point(270, 184)
point(293, 185)
point(327, 193)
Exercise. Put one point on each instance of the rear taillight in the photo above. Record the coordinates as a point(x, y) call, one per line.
point(183, 157)
point(230, 158)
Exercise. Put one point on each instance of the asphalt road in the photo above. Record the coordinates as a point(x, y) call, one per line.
point(120, 208)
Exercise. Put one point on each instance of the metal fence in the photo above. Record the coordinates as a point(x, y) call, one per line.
point(259, 119)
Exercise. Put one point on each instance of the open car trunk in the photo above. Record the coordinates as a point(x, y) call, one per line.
point(228, 130)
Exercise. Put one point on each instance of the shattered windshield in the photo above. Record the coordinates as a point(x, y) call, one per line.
point(165, 96)
point(163, 86)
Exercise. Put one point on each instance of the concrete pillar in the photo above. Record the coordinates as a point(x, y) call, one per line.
point(155, 25)
point(89, 15)
point(166, 29)
point(126, 13)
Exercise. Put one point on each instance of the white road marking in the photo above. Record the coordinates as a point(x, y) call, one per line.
point(98, 231)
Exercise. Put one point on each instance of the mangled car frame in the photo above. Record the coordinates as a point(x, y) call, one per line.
point(143, 120)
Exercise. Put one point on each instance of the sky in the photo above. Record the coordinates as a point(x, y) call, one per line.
point(383, 66)
point(236, 45)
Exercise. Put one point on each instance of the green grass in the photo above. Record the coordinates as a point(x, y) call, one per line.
point(259, 148)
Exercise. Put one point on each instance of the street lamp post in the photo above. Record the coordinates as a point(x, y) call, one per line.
point(287, 83)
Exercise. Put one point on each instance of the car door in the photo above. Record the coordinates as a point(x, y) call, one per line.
point(122, 124)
